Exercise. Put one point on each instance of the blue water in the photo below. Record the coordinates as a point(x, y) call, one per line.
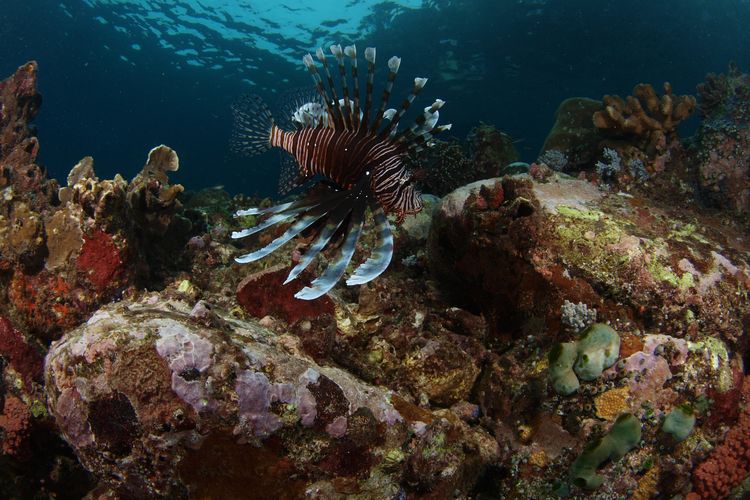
point(121, 76)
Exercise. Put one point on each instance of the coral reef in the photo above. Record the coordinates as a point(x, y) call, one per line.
point(723, 145)
point(447, 165)
point(727, 466)
point(536, 335)
point(651, 120)
point(491, 151)
point(624, 435)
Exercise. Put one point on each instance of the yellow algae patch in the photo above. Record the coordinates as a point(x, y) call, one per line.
point(538, 458)
point(647, 485)
point(611, 403)
point(541, 366)
point(524, 433)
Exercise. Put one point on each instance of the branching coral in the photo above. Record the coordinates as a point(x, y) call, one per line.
point(645, 117)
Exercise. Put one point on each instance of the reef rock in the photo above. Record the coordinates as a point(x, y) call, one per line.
point(723, 146)
point(574, 135)
point(517, 262)
point(19, 105)
point(491, 151)
point(162, 399)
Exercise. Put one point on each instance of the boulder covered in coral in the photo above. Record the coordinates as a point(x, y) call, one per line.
point(573, 134)
point(723, 145)
point(161, 398)
point(566, 240)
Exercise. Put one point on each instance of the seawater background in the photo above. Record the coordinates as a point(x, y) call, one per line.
point(121, 76)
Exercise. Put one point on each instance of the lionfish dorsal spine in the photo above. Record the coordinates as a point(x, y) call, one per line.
point(424, 123)
point(419, 84)
point(310, 65)
point(351, 51)
point(393, 64)
point(370, 53)
point(338, 53)
point(338, 117)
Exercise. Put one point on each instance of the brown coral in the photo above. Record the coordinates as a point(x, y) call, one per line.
point(646, 117)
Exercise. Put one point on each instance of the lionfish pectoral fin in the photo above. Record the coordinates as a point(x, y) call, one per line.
point(253, 123)
point(306, 220)
point(333, 222)
point(335, 271)
point(273, 220)
point(381, 257)
point(279, 213)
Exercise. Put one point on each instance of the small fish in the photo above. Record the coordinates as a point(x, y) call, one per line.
point(362, 160)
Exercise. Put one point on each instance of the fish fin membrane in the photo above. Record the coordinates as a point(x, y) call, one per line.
point(306, 219)
point(289, 174)
point(289, 104)
point(381, 257)
point(253, 123)
point(335, 271)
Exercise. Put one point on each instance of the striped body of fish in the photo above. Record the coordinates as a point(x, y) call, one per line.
point(334, 138)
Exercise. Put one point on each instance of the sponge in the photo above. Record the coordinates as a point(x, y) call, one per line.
point(598, 349)
point(679, 423)
point(622, 437)
point(561, 359)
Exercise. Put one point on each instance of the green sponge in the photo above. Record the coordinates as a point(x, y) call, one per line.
point(622, 437)
point(561, 359)
point(598, 349)
point(679, 423)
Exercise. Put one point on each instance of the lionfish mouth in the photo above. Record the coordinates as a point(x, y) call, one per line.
point(333, 210)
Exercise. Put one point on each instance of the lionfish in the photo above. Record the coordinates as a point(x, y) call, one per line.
point(362, 160)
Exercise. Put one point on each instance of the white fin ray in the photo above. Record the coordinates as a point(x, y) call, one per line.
point(335, 271)
point(381, 256)
point(332, 224)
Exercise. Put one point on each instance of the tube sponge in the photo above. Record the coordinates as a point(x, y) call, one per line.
point(622, 437)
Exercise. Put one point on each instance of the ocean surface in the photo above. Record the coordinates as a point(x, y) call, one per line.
point(121, 76)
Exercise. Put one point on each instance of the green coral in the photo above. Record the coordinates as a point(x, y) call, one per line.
point(679, 423)
point(596, 350)
point(624, 435)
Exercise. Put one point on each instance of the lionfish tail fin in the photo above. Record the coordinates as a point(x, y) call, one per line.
point(253, 123)
point(381, 257)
